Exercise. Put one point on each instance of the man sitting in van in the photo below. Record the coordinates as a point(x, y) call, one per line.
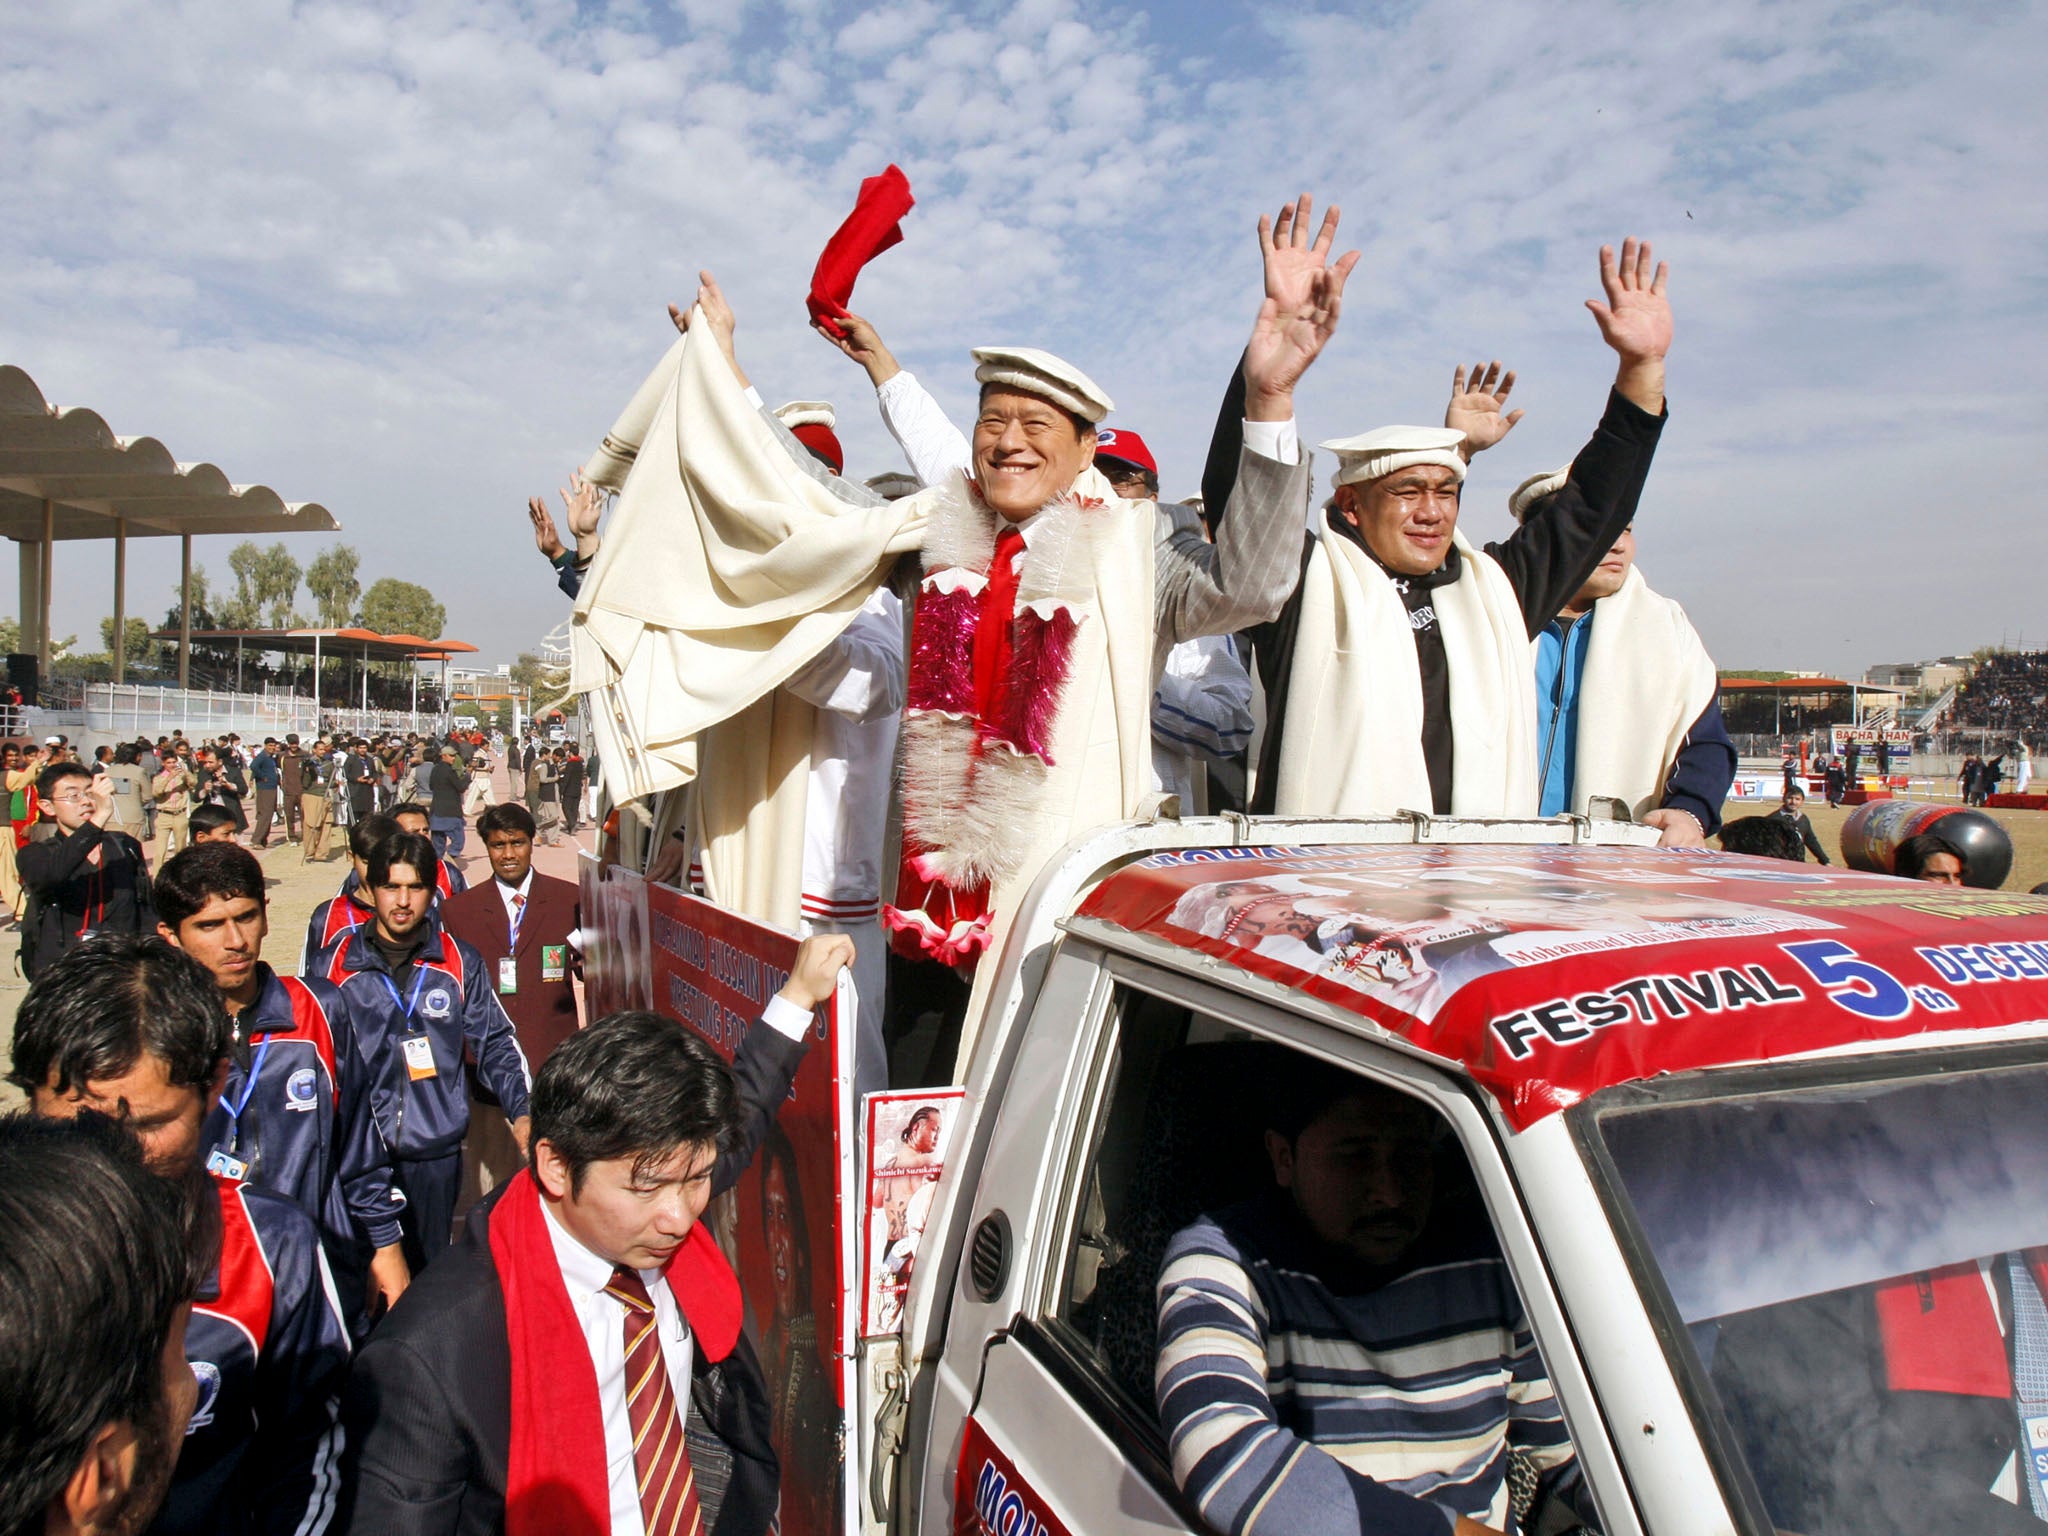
point(1335, 1357)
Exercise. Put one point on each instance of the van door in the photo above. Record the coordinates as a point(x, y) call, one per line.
point(1159, 1120)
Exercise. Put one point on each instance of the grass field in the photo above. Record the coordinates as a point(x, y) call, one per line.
point(2028, 829)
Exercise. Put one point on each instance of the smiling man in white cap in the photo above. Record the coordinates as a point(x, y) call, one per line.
point(1627, 707)
point(1046, 607)
point(1397, 677)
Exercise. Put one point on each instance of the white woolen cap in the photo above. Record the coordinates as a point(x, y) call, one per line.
point(807, 413)
point(1372, 455)
point(1048, 377)
point(1534, 489)
point(894, 484)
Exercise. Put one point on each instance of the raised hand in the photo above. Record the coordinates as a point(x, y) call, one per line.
point(1636, 319)
point(717, 314)
point(863, 343)
point(544, 534)
point(582, 503)
point(1304, 295)
point(1475, 406)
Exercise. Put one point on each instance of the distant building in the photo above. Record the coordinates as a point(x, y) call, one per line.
point(1923, 679)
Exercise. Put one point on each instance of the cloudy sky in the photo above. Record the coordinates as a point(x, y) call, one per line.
point(409, 259)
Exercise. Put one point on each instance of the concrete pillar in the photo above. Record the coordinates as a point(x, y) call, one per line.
point(43, 596)
point(30, 552)
point(185, 611)
point(120, 599)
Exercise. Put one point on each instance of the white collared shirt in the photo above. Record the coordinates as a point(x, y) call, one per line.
point(603, 1318)
point(507, 892)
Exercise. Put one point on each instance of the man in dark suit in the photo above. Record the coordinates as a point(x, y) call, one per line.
point(520, 922)
point(533, 1381)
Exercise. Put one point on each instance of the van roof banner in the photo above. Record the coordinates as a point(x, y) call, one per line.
point(1549, 973)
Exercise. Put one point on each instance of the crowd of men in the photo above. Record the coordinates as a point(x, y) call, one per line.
point(869, 711)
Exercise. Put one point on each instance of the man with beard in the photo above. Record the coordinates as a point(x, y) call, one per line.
point(1424, 1374)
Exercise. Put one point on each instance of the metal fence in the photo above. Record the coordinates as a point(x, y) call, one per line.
point(127, 710)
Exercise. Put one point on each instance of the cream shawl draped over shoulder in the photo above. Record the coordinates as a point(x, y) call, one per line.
point(1648, 678)
point(1353, 743)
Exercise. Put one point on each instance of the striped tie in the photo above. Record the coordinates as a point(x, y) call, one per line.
point(668, 1489)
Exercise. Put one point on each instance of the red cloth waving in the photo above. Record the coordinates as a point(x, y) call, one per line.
point(555, 1481)
point(874, 225)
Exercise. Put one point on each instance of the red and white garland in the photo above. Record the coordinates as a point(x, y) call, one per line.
point(973, 783)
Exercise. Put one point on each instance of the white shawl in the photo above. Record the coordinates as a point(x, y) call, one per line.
point(1647, 679)
point(1353, 742)
point(725, 570)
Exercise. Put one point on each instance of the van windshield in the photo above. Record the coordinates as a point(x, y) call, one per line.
point(1861, 1271)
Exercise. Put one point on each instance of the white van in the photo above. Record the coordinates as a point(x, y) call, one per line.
point(1756, 1141)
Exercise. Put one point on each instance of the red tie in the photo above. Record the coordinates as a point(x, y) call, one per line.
point(668, 1487)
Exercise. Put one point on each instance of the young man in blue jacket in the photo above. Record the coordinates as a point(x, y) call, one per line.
point(419, 996)
point(130, 1027)
point(295, 1115)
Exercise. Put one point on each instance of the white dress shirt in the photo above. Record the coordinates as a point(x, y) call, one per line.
point(506, 892)
point(603, 1319)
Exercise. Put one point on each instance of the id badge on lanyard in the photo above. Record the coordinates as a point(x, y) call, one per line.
point(225, 1160)
point(418, 1045)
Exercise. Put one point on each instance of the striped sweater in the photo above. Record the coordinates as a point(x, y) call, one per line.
point(1292, 1408)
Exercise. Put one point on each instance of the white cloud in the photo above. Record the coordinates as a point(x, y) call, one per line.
point(407, 259)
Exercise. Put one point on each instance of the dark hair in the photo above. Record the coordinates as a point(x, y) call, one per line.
point(1767, 837)
point(209, 818)
point(124, 754)
point(100, 1253)
point(366, 834)
point(48, 780)
point(923, 1112)
point(632, 1085)
point(509, 817)
point(410, 809)
point(403, 848)
point(1911, 860)
point(1300, 1090)
point(195, 875)
point(98, 1007)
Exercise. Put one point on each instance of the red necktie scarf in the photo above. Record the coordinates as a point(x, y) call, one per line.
point(555, 1481)
point(874, 225)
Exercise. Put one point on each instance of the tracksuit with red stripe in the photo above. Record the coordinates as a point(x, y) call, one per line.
point(414, 1028)
point(268, 1346)
point(337, 914)
point(297, 1118)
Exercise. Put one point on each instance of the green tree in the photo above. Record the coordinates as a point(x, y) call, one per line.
point(394, 607)
point(141, 651)
point(266, 586)
point(331, 578)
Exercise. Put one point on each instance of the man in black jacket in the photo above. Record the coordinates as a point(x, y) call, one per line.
point(84, 880)
point(501, 1378)
point(1406, 533)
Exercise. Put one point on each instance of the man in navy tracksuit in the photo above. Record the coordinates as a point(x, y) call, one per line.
point(335, 916)
point(295, 1116)
point(419, 996)
point(130, 1027)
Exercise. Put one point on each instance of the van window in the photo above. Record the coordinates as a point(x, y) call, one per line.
point(1382, 1240)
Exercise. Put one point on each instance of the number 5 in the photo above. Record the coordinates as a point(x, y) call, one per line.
point(1854, 984)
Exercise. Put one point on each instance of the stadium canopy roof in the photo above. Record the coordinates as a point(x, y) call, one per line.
point(365, 644)
point(1808, 685)
point(90, 475)
point(65, 475)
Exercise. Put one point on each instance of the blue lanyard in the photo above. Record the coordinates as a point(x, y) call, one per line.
point(419, 980)
point(234, 1111)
